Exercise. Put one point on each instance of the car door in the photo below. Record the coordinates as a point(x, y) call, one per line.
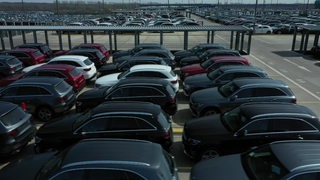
point(241, 96)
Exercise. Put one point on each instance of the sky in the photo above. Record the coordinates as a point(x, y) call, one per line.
point(179, 1)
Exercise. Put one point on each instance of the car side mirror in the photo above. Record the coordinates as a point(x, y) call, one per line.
point(242, 133)
point(233, 98)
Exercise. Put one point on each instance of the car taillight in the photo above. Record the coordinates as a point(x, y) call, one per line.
point(174, 82)
point(10, 133)
point(88, 69)
point(62, 99)
point(166, 135)
point(23, 106)
point(172, 100)
point(294, 101)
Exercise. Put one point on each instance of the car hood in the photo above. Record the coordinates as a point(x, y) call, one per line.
point(198, 80)
point(219, 168)
point(92, 94)
point(26, 168)
point(61, 126)
point(120, 53)
point(206, 125)
point(192, 68)
point(211, 95)
point(109, 66)
point(107, 80)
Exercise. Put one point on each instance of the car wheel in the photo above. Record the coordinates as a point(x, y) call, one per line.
point(210, 154)
point(45, 114)
point(268, 32)
point(210, 112)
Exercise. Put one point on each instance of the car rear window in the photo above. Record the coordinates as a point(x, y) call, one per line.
point(62, 87)
point(173, 73)
point(13, 61)
point(75, 72)
point(12, 117)
point(164, 120)
point(170, 89)
point(87, 62)
point(37, 53)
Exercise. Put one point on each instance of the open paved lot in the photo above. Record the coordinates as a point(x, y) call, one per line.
point(270, 52)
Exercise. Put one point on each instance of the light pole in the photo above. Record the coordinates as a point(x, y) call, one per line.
point(255, 16)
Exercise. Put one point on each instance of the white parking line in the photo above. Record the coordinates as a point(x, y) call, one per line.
point(301, 67)
point(306, 90)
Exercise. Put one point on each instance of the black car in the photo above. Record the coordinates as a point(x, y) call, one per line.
point(97, 159)
point(157, 91)
point(291, 159)
point(9, 65)
point(246, 126)
point(45, 97)
point(115, 119)
point(43, 48)
point(126, 64)
point(207, 55)
point(219, 77)
point(95, 55)
point(238, 91)
point(16, 129)
point(165, 54)
point(136, 49)
point(196, 50)
point(283, 29)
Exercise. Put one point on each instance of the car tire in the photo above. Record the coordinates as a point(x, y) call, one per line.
point(44, 114)
point(210, 153)
point(210, 112)
point(268, 32)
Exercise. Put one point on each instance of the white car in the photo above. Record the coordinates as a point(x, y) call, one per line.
point(263, 29)
point(83, 63)
point(142, 71)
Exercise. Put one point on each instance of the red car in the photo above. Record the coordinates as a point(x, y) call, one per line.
point(99, 46)
point(28, 56)
point(69, 73)
point(212, 64)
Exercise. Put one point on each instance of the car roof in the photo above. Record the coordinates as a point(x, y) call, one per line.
point(90, 45)
point(218, 51)
point(210, 45)
point(241, 82)
point(154, 50)
point(31, 44)
point(69, 58)
point(226, 58)
point(240, 68)
point(6, 107)
point(38, 80)
point(298, 155)
point(84, 50)
point(149, 45)
point(257, 109)
point(152, 67)
point(143, 81)
point(54, 67)
point(113, 151)
point(144, 58)
point(6, 57)
point(127, 106)
point(28, 50)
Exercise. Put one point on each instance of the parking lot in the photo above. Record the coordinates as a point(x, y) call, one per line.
point(270, 52)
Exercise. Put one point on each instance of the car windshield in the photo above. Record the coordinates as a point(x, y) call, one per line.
point(214, 74)
point(228, 89)
point(206, 64)
point(234, 119)
point(122, 64)
point(263, 164)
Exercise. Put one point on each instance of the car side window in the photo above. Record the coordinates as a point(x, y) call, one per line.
point(10, 92)
point(244, 93)
point(30, 90)
point(92, 174)
point(260, 126)
point(145, 91)
point(257, 92)
point(227, 77)
point(95, 125)
point(127, 123)
point(246, 74)
point(279, 125)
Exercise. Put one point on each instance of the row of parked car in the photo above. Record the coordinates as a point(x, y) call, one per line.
point(232, 114)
